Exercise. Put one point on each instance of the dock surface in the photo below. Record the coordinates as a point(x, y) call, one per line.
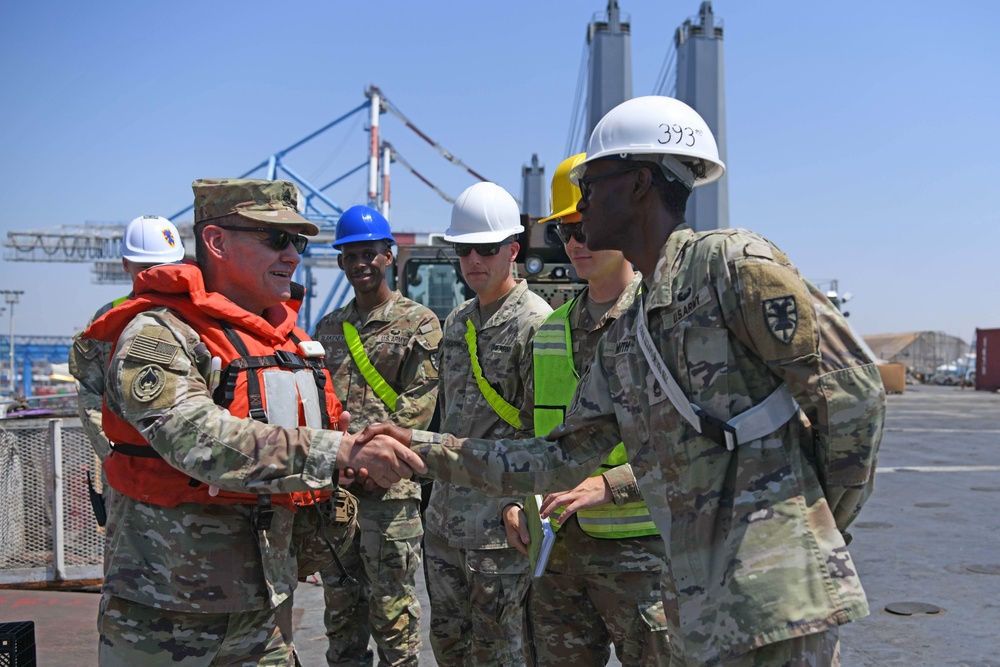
point(927, 546)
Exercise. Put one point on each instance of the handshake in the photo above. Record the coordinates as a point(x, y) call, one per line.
point(379, 455)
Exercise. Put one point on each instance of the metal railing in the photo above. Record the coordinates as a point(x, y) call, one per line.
point(47, 528)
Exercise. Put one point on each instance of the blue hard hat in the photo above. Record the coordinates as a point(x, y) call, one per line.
point(361, 223)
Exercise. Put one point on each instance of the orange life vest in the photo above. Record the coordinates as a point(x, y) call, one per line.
point(134, 468)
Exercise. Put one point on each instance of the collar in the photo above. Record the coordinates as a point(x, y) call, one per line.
point(384, 312)
point(511, 305)
point(580, 317)
point(658, 288)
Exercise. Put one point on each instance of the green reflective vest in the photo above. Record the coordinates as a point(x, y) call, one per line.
point(368, 371)
point(555, 384)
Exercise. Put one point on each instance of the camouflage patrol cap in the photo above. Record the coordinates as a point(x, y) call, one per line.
point(274, 202)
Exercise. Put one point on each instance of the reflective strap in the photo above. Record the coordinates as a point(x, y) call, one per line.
point(281, 397)
point(506, 411)
point(662, 373)
point(375, 381)
point(766, 417)
point(612, 522)
point(310, 397)
point(120, 300)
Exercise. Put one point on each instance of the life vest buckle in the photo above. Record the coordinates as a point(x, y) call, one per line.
point(289, 360)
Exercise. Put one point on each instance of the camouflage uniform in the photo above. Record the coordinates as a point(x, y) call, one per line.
point(201, 564)
point(401, 339)
point(88, 361)
point(597, 591)
point(475, 580)
point(755, 536)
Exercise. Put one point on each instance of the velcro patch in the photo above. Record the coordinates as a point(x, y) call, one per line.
point(777, 310)
point(149, 348)
point(86, 347)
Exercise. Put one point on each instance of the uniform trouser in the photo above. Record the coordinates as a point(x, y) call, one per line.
point(575, 617)
point(383, 602)
point(136, 634)
point(477, 604)
point(817, 650)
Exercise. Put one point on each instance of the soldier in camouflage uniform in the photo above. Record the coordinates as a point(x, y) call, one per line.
point(148, 240)
point(201, 564)
point(602, 581)
point(753, 504)
point(391, 378)
point(476, 582)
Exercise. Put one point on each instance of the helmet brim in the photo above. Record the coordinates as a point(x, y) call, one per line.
point(569, 210)
point(362, 238)
point(483, 237)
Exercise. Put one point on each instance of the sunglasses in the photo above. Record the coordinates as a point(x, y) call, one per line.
point(571, 230)
point(585, 182)
point(276, 239)
point(482, 249)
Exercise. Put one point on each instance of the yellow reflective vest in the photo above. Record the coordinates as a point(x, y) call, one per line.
point(555, 384)
point(506, 411)
point(368, 371)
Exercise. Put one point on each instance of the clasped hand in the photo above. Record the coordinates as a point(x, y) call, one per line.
point(379, 455)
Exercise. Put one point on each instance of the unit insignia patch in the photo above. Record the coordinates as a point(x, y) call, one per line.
point(148, 383)
point(782, 316)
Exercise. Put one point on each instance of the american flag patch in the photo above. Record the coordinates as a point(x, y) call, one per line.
point(148, 348)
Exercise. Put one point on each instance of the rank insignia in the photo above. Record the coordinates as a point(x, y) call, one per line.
point(782, 316)
point(148, 383)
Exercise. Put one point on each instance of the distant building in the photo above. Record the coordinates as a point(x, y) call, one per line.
point(921, 351)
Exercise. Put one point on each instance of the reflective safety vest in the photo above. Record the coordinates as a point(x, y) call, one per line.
point(367, 368)
point(555, 383)
point(264, 379)
point(506, 411)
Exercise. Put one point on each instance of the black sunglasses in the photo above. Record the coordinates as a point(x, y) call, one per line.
point(276, 238)
point(585, 181)
point(482, 249)
point(571, 230)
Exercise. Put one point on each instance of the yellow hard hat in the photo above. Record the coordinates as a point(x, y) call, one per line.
point(565, 195)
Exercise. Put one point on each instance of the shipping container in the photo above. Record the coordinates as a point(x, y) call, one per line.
point(988, 359)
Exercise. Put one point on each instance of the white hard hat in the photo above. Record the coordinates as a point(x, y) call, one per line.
point(657, 129)
point(151, 239)
point(484, 213)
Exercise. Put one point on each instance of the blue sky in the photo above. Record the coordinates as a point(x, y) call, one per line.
point(863, 137)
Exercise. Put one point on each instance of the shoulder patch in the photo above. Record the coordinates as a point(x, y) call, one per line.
point(150, 347)
point(148, 383)
point(782, 317)
point(777, 310)
point(86, 347)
